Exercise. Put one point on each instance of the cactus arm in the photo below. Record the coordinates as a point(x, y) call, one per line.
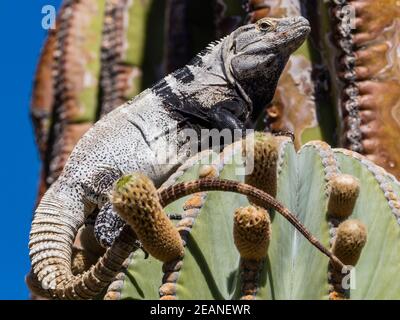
point(76, 65)
point(130, 50)
point(376, 274)
point(185, 188)
point(42, 95)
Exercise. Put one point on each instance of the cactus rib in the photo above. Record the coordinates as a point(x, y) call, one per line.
point(191, 210)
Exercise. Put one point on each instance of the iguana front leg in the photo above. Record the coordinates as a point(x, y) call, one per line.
point(228, 114)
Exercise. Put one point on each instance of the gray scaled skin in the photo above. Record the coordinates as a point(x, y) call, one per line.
point(230, 81)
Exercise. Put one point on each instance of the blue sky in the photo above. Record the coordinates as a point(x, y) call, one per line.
point(21, 39)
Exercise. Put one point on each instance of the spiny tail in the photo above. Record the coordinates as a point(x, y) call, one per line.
point(51, 239)
point(180, 190)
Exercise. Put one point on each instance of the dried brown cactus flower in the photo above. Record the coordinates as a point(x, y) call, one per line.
point(264, 175)
point(350, 239)
point(344, 191)
point(135, 198)
point(252, 232)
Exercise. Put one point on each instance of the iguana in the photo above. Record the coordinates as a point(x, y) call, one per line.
point(226, 84)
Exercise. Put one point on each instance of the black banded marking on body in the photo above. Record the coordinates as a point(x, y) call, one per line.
point(184, 75)
point(165, 93)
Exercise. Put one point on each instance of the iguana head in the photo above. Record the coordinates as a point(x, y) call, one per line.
point(254, 56)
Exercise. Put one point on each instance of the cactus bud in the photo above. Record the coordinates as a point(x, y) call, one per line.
point(252, 232)
point(264, 175)
point(344, 190)
point(350, 239)
point(136, 200)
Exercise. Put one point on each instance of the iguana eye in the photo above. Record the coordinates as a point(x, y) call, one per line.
point(265, 25)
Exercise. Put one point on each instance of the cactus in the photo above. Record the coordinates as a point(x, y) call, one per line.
point(215, 264)
point(101, 54)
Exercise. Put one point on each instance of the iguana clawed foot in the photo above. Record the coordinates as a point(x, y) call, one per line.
point(108, 226)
